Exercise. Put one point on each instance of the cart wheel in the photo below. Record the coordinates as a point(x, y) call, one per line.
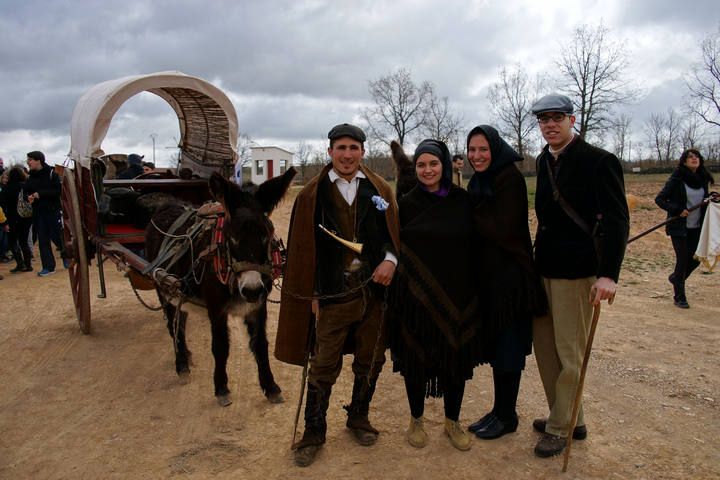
point(75, 249)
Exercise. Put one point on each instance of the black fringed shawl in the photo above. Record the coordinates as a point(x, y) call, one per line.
point(511, 288)
point(435, 326)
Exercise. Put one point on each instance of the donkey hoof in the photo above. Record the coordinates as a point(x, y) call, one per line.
point(224, 400)
point(276, 398)
point(184, 377)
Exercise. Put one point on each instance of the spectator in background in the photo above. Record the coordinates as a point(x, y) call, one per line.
point(19, 227)
point(458, 162)
point(687, 186)
point(4, 241)
point(135, 167)
point(148, 167)
point(42, 189)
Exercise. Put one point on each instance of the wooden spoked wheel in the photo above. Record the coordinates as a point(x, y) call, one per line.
point(76, 248)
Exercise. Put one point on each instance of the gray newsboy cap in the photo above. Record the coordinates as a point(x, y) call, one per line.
point(346, 130)
point(553, 102)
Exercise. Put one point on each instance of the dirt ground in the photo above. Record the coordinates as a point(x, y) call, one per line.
point(109, 405)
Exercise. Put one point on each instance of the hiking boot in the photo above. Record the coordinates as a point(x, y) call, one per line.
point(415, 434)
point(550, 445)
point(18, 269)
point(28, 268)
point(497, 428)
point(579, 433)
point(459, 438)
point(681, 303)
point(45, 272)
point(482, 423)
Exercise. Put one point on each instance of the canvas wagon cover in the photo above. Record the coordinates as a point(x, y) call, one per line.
point(207, 117)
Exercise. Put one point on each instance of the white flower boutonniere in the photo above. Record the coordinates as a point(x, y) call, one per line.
point(380, 203)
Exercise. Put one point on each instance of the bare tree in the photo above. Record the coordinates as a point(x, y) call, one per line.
point(691, 132)
point(662, 131)
point(400, 106)
point(440, 123)
point(621, 136)
point(243, 148)
point(704, 83)
point(511, 99)
point(592, 73)
point(303, 157)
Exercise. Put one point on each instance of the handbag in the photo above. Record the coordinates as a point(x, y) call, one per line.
point(24, 208)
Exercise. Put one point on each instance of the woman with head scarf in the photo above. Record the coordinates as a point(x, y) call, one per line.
point(512, 291)
point(434, 339)
point(687, 186)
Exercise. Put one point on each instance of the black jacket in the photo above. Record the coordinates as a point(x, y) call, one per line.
point(673, 199)
point(47, 183)
point(591, 181)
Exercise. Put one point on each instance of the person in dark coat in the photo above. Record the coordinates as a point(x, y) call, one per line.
point(687, 186)
point(514, 293)
point(135, 167)
point(436, 332)
point(19, 227)
point(578, 255)
point(42, 190)
point(357, 205)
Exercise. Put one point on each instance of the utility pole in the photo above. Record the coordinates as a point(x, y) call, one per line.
point(153, 136)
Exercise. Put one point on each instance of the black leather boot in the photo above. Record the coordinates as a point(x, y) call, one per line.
point(316, 406)
point(357, 411)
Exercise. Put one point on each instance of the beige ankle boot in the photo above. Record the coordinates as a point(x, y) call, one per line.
point(457, 435)
point(415, 434)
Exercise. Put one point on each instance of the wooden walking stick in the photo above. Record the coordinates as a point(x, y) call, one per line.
point(579, 390)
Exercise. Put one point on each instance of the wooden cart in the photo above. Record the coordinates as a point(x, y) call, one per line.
point(208, 137)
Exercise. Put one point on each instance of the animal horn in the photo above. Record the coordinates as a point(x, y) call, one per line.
point(354, 246)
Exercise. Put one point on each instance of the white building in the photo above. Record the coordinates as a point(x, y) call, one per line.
point(268, 162)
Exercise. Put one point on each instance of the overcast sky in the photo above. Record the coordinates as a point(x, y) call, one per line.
point(295, 68)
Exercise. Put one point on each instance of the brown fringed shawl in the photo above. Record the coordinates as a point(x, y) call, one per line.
point(435, 329)
point(291, 341)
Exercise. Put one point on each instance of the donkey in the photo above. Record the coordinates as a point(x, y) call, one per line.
point(231, 276)
point(404, 170)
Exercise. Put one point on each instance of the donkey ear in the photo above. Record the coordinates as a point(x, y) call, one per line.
point(219, 189)
point(404, 170)
point(270, 192)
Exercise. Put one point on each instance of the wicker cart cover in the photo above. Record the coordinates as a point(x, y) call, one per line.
point(208, 122)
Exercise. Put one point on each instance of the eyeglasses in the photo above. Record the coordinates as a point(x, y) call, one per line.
point(555, 117)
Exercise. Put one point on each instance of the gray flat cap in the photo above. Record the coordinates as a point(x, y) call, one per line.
point(553, 102)
point(347, 130)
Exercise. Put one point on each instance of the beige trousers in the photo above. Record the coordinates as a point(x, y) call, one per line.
point(559, 340)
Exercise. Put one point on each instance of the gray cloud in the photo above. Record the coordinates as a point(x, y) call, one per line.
point(292, 68)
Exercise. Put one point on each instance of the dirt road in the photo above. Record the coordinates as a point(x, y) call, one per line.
point(109, 405)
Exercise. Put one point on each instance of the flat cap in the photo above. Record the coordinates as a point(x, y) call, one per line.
point(553, 102)
point(347, 130)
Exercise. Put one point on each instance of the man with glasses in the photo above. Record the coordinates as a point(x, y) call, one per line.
point(583, 226)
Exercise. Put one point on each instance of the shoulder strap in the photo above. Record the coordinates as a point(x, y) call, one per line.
point(564, 204)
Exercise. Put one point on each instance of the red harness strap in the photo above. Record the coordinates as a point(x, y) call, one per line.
point(222, 269)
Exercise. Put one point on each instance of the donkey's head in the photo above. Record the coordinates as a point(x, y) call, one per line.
point(404, 169)
point(248, 232)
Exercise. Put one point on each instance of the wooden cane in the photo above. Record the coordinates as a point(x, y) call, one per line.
point(579, 390)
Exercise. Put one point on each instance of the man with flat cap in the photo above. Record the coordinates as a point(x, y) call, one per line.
point(332, 293)
point(583, 226)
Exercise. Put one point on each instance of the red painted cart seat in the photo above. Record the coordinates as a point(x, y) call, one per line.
point(123, 233)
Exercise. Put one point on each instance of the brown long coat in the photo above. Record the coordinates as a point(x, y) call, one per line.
point(292, 340)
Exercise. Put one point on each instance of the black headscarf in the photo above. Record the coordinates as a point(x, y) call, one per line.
point(481, 184)
point(441, 151)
